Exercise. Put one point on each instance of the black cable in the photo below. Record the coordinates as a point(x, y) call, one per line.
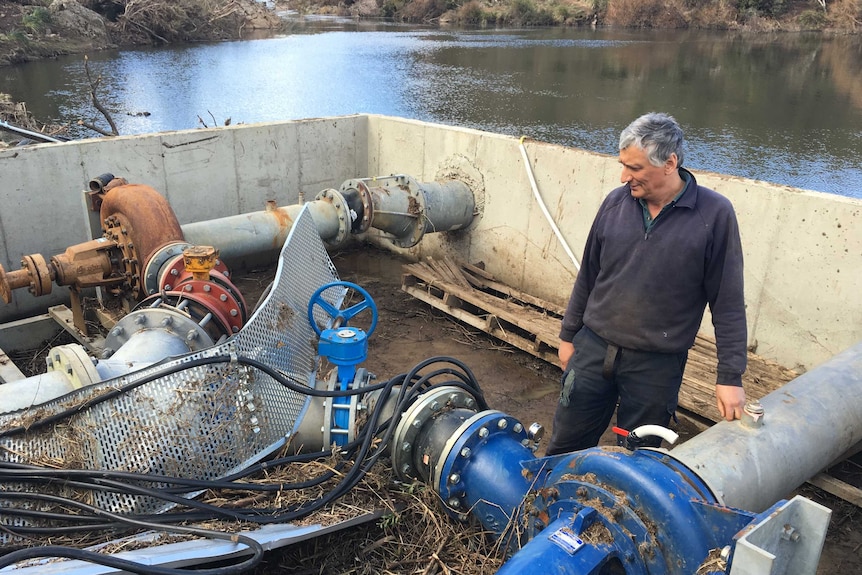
point(362, 450)
point(72, 553)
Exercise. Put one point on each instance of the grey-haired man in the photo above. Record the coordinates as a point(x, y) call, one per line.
point(661, 248)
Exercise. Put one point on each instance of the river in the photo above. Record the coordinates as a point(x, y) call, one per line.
point(784, 108)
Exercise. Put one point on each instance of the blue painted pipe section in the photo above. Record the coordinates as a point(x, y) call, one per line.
point(346, 348)
point(598, 511)
point(482, 471)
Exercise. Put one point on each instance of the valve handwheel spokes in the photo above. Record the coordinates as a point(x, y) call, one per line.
point(341, 316)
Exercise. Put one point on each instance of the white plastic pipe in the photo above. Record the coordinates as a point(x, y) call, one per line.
point(656, 431)
point(544, 208)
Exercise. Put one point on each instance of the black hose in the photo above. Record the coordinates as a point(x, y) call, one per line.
point(363, 450)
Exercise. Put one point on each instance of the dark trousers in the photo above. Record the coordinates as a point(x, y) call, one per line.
point(646, 385)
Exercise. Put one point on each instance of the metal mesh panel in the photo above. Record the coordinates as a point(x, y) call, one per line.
point(202, 422)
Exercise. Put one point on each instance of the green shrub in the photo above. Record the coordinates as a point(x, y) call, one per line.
point(644, 14)
point(763, 7)
point(525, 13)
point(471, 13)
point(37, 20)
point(812, 20)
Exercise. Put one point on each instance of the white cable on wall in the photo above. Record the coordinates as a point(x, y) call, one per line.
point(544, 208)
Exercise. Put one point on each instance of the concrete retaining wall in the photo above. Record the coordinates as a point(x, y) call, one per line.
point(803, 249)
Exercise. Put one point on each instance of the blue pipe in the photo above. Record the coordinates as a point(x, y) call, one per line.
point(641, 512)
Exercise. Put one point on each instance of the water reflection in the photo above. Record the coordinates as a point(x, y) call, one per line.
point(784, 108)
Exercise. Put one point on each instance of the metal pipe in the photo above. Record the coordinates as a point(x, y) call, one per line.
point(420, 208)
point(6, 126)
point(398, 205)
point(259, 233)
point(34, 390)
point(807, 425)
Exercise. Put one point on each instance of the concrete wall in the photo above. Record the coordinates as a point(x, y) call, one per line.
point(803, 249)
point(204, 174)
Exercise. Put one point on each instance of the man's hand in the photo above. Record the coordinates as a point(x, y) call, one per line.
point(730, 400)
point(567, 350)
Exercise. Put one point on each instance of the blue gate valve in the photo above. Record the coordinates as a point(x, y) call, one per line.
point(342, 345)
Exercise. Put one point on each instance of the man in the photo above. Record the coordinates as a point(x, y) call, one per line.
point(660, 249)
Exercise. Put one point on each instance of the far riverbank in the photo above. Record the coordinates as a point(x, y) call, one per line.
point(49, 28)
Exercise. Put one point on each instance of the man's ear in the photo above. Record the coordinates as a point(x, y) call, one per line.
point(671, 164)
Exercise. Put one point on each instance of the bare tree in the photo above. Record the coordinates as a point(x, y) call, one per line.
point(94, 86)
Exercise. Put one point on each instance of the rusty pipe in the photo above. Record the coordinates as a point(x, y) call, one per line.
point(137, 221)
point(404, 209)
point(83, 265)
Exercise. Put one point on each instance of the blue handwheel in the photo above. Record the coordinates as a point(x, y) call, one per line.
point(341, 316)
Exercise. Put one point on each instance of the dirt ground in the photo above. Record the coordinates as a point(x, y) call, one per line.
point(519, 384)
point(514, 382)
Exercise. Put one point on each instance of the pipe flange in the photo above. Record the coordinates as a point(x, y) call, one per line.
point(117, 230)
point(329, 409)
point(456, 453)
point(173, 272)
point(335, 198)
point(367, 205)
point(5, 289)
point(167, 319)
point(152, 271)
point(217, 300)
point(417, 415)
point(416, 207)
point(39, 272)
point(72, 360)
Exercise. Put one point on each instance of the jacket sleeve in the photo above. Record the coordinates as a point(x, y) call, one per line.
point(725, 294)
point(573, 319)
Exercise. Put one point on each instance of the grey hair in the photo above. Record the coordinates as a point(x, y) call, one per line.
point(657, 134)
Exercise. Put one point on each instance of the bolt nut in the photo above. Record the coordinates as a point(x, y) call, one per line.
point(483, 432)
point(454, 478)
point(465, 452)
point(502, 423)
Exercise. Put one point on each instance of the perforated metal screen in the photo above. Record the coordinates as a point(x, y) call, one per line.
point(201, 422)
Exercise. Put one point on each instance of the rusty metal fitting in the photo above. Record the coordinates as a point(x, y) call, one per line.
point(39, 273)
point(87, 265)
point(199, 260)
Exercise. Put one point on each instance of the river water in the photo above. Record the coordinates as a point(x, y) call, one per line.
point(784, 108)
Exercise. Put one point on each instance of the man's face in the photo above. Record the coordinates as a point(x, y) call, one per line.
point(646, 181)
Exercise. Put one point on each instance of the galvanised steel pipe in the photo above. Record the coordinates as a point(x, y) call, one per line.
point(259, 233)
point(398, 205)
point(807, 424)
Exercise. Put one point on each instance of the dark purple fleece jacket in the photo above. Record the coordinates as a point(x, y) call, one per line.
point(648, 291)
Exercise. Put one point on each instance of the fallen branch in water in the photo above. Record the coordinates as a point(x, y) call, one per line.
point(94, 85)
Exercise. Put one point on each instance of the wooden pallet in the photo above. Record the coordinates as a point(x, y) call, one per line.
point(472, 295)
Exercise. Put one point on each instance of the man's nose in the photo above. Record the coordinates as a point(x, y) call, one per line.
point(625, 176)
